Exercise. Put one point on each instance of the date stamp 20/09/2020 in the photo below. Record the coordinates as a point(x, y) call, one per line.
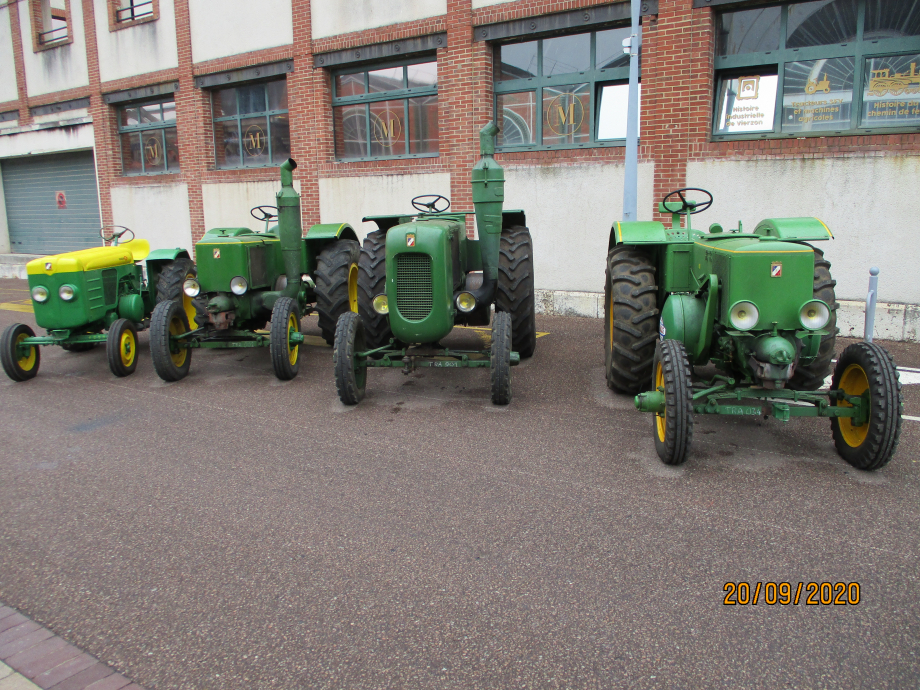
point(791, 593)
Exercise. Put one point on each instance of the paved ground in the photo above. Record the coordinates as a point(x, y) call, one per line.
point(234, 531)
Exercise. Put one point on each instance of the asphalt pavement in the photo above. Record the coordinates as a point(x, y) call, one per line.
point(234, 531)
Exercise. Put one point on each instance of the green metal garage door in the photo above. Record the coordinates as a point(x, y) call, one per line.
point(51, 203)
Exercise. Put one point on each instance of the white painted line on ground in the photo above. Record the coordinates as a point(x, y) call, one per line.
point(909, 418)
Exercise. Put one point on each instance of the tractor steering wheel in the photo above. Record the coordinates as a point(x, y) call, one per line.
point(114, 233)
point(686, 208)
point(430, 206)
point(264, 215)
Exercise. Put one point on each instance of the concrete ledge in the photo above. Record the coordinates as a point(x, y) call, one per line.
point(14, 265)
point(892, 321)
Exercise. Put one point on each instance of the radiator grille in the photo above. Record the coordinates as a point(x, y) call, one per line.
point(413, 286)
point(110, 285)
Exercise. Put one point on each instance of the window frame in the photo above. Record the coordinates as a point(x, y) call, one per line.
point(859, 49)
point(403, 95)
point(140, 129)
point(38, 25)
point(596, 79)
point(267, 114)
point(117, 6)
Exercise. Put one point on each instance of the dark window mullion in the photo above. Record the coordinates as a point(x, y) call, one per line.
point(406, 121)
point(859, 67)
point(367, 127)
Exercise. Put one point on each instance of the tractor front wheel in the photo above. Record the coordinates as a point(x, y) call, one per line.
point(372, 281)
point(19, 365)
point(169, 285)
point(630, 319)
point(673, 428)
point(336, 277)
point(121, 347)
point(867, 369)
point(500, 357)
point(350, 374)
point(285, 323)
point(170, 359)
point(515, 292)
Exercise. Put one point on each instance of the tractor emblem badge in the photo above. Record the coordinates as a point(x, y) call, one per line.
point(47, 265)
point(217, 253)
point(776, 269)
point(410, 239)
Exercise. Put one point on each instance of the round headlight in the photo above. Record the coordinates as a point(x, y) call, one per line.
point(67, 293)
point(381, 305)
point(238, 285)
point(814, 315)
point(40, 294)
point(744, 316)
point(191, 287)
point(466, 302)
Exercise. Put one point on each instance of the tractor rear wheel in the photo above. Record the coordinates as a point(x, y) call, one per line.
point(16, 366)
point(336, 278)
point(285, 322)
point(630, 319)
point(811, 377)
point(170, 360)
point(372, 281)
point(170, 282)
point(515, 288)
point(121, 347)
point(674, 428)
point(866, 368)
point(500, 358)
point(350, 375)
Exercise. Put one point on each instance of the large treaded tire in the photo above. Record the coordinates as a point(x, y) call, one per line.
point(674, 431)
point(630, 319)
point(500, 358)
point(121, 347)
point(350, 379)
point(811, 377)
point(372, 279)
point(24, 368)
point(871, 446)
point(336, 278)
point(285, 320)
point(169, 318)
point(169, 285)
point(515, 293)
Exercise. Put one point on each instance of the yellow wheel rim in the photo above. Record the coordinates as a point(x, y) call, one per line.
point(28, 362)
point(127, 348)
point(187, 302)
point(293, 327)
point(853, 382)
point(660, 419)
point(353, 288)
point(176, 327)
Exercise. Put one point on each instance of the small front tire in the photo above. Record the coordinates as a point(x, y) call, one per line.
point(350, 374)
point(673, 429)
point(16, 366)
point(121, 347)
point(285, 322)
point(170, 359)
point(500, 357)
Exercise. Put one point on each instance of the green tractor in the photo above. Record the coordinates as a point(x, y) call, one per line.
point(247, 280)
point(78, 295)
point(761, 307)
point(420, 276)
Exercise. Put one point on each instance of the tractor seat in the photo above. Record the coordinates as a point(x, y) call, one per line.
point(90, 259)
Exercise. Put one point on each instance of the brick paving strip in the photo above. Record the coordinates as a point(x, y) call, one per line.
point(33, 657)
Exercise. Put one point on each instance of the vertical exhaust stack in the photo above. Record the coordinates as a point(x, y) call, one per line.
point(488, 196)
point(290, 230)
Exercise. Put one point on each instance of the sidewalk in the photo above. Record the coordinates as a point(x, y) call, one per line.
point(33, 658)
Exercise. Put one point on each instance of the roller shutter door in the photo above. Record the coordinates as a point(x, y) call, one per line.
point(40, 219)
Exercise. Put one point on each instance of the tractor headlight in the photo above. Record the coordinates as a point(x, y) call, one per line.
point(381, 305)
point(239, 286)
point(466, 302)
point(814, 315)
point(40, 294)
point(191, 287)
point(67, 293)
point(744, 315)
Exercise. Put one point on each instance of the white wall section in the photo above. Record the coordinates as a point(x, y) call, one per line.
point(147, 47)
point(866, 202)
point(55, 69)
point(227, 204)
point(334, 17)
point(50, 140)
point(231, 27)
point(8, 91)
point(156, 213)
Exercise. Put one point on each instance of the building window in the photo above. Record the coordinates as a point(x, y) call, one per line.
point(251, 126)
point(818, 68)
point(386, 112)
point(562, 92)
point(126, 12)
point(148, 138)
point(50, 23)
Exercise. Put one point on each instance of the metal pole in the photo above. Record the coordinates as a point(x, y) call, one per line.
point(631, 46)
point(871, 299)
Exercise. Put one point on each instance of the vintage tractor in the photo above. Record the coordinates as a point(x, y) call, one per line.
point(247, 279)
point(78, 295)
point(420, 276)
point(761, 307)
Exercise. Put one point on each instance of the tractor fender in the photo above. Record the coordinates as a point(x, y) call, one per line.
point(682, 319)
point(163, 255)
point(324, 232)
point(637, 232)
point(794, 229)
